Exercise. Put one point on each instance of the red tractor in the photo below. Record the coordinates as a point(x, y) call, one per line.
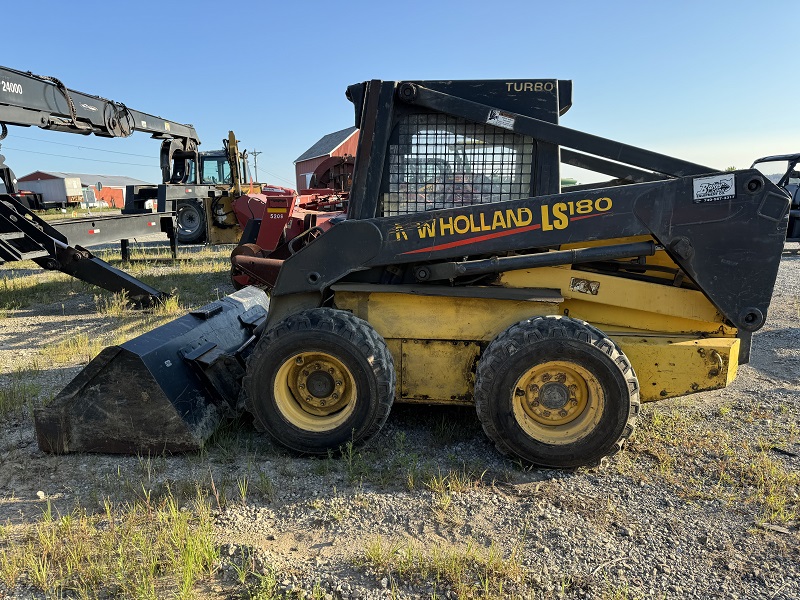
point(278, 222)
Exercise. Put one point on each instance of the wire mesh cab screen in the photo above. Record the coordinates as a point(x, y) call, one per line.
point(439, 161)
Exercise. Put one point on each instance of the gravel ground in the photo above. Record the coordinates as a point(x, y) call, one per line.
point(702, 504)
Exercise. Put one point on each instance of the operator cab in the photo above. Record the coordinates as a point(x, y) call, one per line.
point(215, 169)
point(784, 171)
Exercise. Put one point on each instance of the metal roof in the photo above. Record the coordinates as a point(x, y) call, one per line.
point(88, 179)
point(327, 144)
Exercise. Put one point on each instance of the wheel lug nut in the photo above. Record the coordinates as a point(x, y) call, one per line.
point(305, 373)
point(322, 402)
point(533, 388)
point(335, 396)
point(574, 402)
point(308, 398)
point(302, 386)
point(317, 366)
point(330, 370)
point(546, 377)
point(534, 403)
point(338, 383)
point(562, 413)
point(546, 413)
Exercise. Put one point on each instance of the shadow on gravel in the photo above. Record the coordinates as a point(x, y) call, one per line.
point(54, 333)
point(441, 425)
point(776, 353)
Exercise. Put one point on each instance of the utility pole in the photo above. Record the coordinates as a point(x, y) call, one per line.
point(255, 154)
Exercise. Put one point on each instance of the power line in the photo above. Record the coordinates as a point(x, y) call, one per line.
point(22, 137)
point(113, 162)
point(279, 178)
point(273, 175)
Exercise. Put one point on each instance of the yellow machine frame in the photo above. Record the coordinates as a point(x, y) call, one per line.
point(676, 340)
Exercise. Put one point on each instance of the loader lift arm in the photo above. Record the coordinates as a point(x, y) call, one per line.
point(24, 236)
point(29, 100)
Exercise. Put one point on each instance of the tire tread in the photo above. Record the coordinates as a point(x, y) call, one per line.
point(537, 329)
point(357, 332)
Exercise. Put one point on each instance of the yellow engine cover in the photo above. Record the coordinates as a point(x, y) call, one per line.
point(676, 341)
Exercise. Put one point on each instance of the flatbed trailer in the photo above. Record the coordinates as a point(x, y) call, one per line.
point(107, 229)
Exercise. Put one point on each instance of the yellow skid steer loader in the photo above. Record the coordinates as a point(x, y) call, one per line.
point(463, 274)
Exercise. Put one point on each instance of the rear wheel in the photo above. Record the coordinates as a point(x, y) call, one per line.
point(191, 219)
point(319, 379)
point(556, 392)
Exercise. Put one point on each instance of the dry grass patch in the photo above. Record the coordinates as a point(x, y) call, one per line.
point(17, 391)
point(469, 570)
point(703, 462)
point(139, 550)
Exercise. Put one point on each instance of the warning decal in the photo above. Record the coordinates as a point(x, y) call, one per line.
point(498, 118)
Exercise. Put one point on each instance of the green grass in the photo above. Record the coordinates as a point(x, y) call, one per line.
point(201, 278)
point(19, 290)
point(73, 212)
point(192, 283)
point(113, 305)
point(454, 481)
point(471, 571)
point(17, 392)
point(79, 348)
point(137, 550)
point(702, 461)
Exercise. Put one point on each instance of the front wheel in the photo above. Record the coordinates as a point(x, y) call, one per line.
point(556, 392)
point(191, 218)
point(319, 379)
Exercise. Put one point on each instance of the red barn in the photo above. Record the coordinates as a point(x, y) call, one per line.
point(339, 143)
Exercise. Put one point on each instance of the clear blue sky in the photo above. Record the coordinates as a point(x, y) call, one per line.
point(713, 82)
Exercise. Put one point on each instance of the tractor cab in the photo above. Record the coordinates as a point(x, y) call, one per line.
point(215, 168)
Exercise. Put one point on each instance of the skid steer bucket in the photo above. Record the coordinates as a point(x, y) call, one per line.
point(164, 391)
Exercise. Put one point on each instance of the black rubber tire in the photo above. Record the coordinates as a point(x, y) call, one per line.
point(191, 218)
point(337, 333)
point(538, 341)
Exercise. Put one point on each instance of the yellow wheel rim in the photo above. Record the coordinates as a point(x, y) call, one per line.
point(558, 402)
point(314, 391)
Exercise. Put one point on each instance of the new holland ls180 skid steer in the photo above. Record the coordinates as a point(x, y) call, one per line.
point(460, 274)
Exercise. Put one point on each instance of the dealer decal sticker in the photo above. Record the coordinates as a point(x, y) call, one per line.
point(715, 188)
